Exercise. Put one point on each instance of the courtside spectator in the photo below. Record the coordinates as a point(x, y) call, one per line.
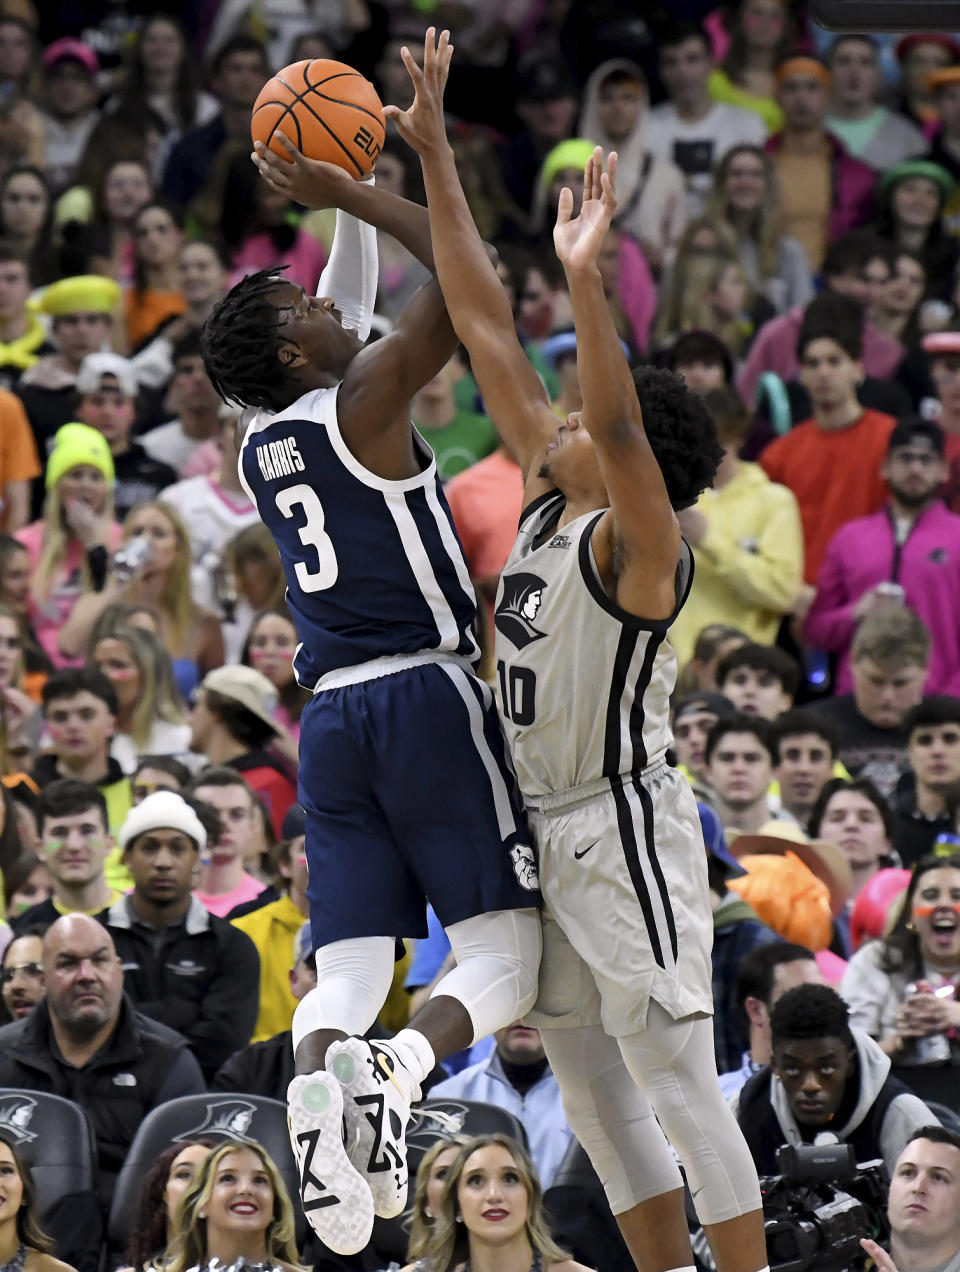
point(86, 1042)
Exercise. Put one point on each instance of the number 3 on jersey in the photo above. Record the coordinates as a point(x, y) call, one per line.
point(312, 535)
point(518, 693)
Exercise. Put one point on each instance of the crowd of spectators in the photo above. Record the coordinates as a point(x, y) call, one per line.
point(787, 241)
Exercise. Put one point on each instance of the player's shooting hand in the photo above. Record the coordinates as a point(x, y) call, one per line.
point(578, 239)
point(308, 181)
point(422, 126)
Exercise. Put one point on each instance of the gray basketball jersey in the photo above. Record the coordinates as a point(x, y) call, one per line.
point(583, 686)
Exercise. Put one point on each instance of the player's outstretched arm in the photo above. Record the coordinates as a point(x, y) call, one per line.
point(478, 306)
point(323, 185)
point(643, 525)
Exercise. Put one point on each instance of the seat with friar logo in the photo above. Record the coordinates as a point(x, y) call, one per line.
point(54, 1138)
point(430, 1121)
point(214, 1117)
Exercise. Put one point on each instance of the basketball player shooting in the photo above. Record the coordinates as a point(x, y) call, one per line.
point(403, 770)
point(598, 572)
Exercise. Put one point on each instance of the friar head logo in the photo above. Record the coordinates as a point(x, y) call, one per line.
point(439, 1121)
point(16, 1112)
point(230, 1118)
point(519, 606)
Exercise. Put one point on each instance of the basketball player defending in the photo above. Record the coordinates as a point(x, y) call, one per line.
point(597, 575)
point(403, 771)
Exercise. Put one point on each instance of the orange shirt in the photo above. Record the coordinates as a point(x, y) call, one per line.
point(18, 450)
point(146, 311)
point(835, 476)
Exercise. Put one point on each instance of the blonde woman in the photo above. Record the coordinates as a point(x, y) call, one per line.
point(23, 1243)
point(746, 198)
point(150, 718)
point(68, 548)
point(491, 1214)
point(710, 293)
point(428, 1194)
point(157, 574)
point(237, 1207)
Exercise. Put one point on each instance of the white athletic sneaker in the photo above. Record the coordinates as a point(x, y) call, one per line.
point(378, 1090)
point(336, 1198)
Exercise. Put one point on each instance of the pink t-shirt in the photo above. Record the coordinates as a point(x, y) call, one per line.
point(223, 902)
point(305, 259)
point(66, 587)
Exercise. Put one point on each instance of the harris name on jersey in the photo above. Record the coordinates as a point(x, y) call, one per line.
point(279, 459)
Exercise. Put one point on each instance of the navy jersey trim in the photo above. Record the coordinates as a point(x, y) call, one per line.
point(588, 570)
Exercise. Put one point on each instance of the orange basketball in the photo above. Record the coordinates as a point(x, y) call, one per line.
point(327, 109)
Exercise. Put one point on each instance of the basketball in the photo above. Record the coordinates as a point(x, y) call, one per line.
point(327, 109)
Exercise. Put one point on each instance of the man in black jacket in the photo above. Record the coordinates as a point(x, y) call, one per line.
point(86, 1042)
point(825, 1078)
point(182, 965)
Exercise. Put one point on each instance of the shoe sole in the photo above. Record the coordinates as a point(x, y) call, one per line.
point(376, 1112)
point(336, 1198)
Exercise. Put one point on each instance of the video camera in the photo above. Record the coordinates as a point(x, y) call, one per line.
point(820, 1205)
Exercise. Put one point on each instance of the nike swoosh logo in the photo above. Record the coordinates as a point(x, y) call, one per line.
point(578, 855)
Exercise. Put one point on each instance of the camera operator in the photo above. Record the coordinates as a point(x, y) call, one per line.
point(825, 1080)
point(924, 1206)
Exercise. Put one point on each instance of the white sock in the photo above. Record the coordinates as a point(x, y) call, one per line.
point(691, 1268)
point(415, 1051)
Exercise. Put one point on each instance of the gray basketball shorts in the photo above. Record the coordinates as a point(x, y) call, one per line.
point(626, 906)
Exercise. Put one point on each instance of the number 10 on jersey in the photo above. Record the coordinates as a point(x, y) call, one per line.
point(518, 693)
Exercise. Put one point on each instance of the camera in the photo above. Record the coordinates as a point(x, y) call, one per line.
point(131, 557)
point(820, 1205)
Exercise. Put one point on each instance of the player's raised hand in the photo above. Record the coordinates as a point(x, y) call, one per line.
point(308, 181)
point(422, 126)
point(578, 239)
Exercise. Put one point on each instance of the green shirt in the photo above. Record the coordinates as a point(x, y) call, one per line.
point(460, 443)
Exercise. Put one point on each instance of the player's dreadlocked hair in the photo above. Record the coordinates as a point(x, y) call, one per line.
point(682, 434)
point(240, 343)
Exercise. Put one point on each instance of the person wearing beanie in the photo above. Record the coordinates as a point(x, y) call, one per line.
point(80, 311)
point(183, 966)
point(913, 197)
point(70, 544)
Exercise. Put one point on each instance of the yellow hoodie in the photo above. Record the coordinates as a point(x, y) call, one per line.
point(748, 565)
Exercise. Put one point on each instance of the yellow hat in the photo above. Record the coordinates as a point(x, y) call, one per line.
point(76, 444)
point(82, 294)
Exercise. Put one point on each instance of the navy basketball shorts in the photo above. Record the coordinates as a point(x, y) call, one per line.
point(409, 796)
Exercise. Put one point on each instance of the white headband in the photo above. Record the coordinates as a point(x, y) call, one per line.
point(163, 810)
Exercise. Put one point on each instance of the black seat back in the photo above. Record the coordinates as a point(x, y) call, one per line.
point(215, 1117)
point(580, 1217)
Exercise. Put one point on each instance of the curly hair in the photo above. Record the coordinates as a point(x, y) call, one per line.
point(148, 1238)
point(808, 1012)
point(240, 344)
point(681, 432)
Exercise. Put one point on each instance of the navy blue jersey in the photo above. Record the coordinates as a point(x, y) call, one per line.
point(373, 567)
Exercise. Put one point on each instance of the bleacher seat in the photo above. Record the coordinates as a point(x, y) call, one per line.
point(55, 1139)
point(580, 1217)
